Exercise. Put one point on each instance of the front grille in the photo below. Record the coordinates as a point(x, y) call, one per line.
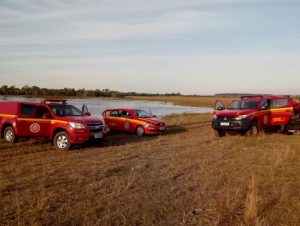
point(161, 124)
point(97, 130)
point(95, 127)
point(226, 118)
point(91, 124)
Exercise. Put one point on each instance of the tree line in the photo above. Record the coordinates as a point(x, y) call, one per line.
point(35, 91)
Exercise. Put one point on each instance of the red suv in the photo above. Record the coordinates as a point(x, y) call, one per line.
point(249, 114)
point(56, 120)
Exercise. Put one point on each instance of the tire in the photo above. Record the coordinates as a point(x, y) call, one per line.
point(282, 130)
point(253, 130)
point(9, 135)
point(62, 141)
point(220, 133)
point(140, 131)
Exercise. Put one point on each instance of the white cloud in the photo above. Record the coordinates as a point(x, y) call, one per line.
point(108, 44)
point(60, 21)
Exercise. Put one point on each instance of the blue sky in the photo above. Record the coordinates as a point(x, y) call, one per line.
point(187, 46)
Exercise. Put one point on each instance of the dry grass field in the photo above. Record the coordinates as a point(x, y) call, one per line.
point(187, 176)
point(186, 101)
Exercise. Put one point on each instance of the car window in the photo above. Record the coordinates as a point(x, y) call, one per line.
point(265, 104)
point(28, 111)
point(125, 114)
point(57, 110)
point(43, 112)
point(65, 110)
point(243, 104)
point(114, 113)
point(142, 114)
point(279, 103)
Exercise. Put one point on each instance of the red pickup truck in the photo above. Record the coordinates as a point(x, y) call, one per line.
point(250, 114)
point(61, 123)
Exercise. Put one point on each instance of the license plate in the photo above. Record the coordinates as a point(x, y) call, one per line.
point(162, 128)
point(224, 124)
point(97, 136)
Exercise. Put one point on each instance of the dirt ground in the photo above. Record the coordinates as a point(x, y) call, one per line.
point(187, 176)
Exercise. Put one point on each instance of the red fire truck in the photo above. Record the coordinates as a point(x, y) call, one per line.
point(250, 114)
point(61, 123)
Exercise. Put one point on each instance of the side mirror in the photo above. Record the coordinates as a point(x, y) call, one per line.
point(264, 108)
point(219, 106)
point(87, 113)
point(154, 116)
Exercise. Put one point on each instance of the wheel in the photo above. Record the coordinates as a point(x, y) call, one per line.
point(253, 130)
point(140, 131)
point(220, 133)
point(62, 141)
point(282, 129)
point(9, 135)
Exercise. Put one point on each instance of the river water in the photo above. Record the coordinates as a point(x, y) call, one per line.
point(97, 105)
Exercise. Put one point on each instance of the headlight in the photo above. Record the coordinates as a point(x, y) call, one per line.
point(150, 125)
point(215, 117)
point(76, 125)
point(240, 117)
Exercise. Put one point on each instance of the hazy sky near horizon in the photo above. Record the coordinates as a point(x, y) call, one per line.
point(187, 46)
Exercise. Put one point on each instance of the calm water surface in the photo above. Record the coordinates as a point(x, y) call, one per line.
point(97, 106)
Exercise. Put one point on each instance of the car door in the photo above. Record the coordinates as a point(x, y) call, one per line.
point(25, 119)
point(281, 111)
point(44, 118)
point(85, 110)
point(219, 105)
point(126, 122)
point(34, 121)
point(264, 116)
point(111, 119)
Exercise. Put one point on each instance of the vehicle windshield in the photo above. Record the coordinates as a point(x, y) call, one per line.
point(65, 110)
point(142, 114)
point(243, 104)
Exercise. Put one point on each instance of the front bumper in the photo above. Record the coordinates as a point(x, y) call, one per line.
point(155, 129)
point(79, 138)
point(82, 135)
point(99, 133)
point(234, 125)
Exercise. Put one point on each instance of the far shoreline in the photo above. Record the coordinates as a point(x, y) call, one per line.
point(191, 101)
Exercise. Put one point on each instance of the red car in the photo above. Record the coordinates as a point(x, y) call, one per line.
point(61, 123)
point(133, 121)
